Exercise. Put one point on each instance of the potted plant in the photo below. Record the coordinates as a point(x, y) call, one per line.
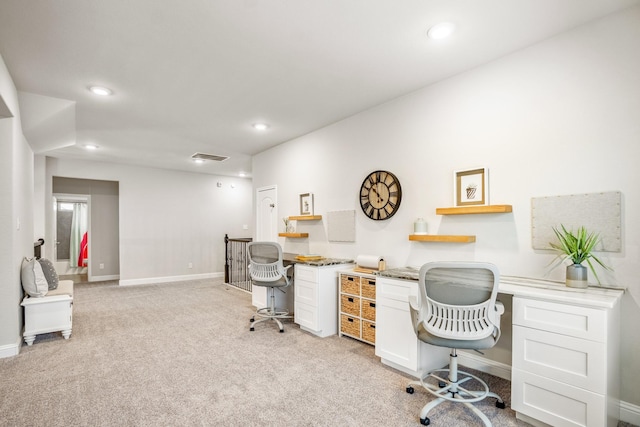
point(577, 247)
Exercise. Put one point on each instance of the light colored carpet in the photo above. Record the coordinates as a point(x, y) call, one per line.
point(181, 354)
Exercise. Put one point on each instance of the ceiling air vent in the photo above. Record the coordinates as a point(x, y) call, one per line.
point(213, 157)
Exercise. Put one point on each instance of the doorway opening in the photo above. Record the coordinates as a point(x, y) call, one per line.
point(72, 232)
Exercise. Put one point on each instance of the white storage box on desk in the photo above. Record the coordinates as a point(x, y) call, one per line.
point(51, 313)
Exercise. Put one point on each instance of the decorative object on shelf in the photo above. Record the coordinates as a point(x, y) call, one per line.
point(288, 225)
point(306, 204)
point(380, 195)
point(471, 187)
point(420, 227)
point(577, 247)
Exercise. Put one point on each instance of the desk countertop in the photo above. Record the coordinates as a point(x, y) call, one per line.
point(597, 296)
point(290, 258)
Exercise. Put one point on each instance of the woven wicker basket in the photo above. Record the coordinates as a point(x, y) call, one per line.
point(350, 325)
point(350, 284)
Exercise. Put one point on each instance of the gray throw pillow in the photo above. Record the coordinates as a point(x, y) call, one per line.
point(49, 273)
point(33, 281)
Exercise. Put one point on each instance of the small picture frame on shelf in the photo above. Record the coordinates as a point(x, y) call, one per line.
point(306, 204)
point(471, 187)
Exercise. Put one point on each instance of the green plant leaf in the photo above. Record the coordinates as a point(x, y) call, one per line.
point(578, 247)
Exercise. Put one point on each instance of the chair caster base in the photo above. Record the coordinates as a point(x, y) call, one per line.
point(252, 329)
point(410, 390)
point(500, 405)
point(281, 331)
point(425, 421)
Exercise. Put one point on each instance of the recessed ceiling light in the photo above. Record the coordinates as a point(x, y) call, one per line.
point(260, 126)
point(441, 30)
point(100, 90)
point(90, 146)
point(242, 174)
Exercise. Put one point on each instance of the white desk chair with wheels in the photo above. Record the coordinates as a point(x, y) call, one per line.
point(457, 309)
point(266, 269)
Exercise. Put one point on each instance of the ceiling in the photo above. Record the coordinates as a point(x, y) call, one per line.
point(194, 76)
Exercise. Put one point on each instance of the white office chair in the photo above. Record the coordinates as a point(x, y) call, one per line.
point(266, 269)
point(457, 309)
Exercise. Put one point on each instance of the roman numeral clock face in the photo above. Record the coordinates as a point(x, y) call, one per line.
point(380, 195)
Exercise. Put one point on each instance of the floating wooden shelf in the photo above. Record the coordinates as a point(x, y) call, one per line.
point(305, 218)
point(464, 210)
point(441, 238)
point(293, 235)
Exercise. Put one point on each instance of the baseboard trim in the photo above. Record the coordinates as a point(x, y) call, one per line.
point(630, 413)
point(152, 280)
point(483, 364)
point(10, 350)
point(104, 278)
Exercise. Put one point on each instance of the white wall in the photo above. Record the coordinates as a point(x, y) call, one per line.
point(16, 215)
point(561, 117)
point(168, 219)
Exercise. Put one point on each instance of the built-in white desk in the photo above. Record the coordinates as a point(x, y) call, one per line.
point(565, 347)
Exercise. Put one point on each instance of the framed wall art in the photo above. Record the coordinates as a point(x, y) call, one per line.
point(306, 204)
point(471, 187)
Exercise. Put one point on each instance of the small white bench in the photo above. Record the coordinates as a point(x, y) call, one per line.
point(50, 313)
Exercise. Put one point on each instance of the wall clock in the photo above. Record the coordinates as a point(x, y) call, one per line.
point(380, 195)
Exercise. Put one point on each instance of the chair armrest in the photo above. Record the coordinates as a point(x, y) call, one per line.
point(416, 313)
point(499, 308)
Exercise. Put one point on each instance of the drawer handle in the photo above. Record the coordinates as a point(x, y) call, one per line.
point(372, 304)
point(350, 279)
point(350, 299)
point(349, 319)
point(372, 326)
point(372, 282)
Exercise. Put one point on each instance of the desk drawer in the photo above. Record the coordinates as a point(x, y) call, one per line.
point(306, 292)
point(306, 316)
point(570, 360)
point(395, 289)
point(555, 403)
point(579, 322)
point(303, 272)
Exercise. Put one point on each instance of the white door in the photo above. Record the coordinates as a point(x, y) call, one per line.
point(267, 214)
point(266, 231)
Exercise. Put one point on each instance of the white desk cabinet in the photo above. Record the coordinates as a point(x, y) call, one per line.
point(396, 342)
point(565, 362)
point(316, 298)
